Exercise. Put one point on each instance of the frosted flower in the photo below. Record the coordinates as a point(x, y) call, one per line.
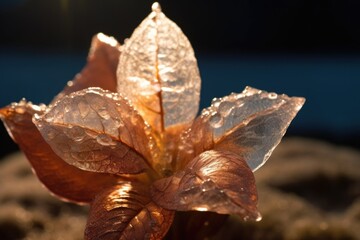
point(123, 136)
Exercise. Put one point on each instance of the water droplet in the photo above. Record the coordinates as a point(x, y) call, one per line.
point(216, 120)
point(50, 135)
point(182, 147)
point(207, 185)
point(225, 108)
point(22, 102)
point(105, 140)
point(272, 95)
point(75, 133)
point(70, 83)
point(84, 109)
point(119, 123)
point(205, 112)
point(103, 112)
point(109, 95)
point(49, 117)
point(67, 108)
point(216, 102)
point(147, 129)
point(156, 7)
point(20, 110)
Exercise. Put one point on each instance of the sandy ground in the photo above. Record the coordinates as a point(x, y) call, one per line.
point(307, 190)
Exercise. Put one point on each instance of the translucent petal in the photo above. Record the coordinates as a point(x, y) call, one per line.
point(62, 179)
point(250, 124)
point(96, 130)
point(125, 211)
point(100, 70)
point(214, 181)
point(158, 72)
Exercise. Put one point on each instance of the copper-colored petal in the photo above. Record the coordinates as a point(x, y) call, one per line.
point(98, 131)
point(214, 181)
point(62, 179)
point(193, 141)
point(250, 124)
point(100, 70)
point(158, 72)
point(125, 211)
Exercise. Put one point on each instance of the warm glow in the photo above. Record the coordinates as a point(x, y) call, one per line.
point(108, 40)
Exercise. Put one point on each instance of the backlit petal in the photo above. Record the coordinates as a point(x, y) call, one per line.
point(62, 179)
point(250, 124)
point(158, 72)
point(98, 131)
point(100, 70)
point(214, 181)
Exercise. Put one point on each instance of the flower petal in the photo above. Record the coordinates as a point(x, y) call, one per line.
point(158, 72)
point(250, 124)
point(214, 181)
point(62, 179)
point(96, 130)
point(125, 211)
point(100, 70)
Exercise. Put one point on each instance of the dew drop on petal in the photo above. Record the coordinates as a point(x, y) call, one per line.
point(104, 113)
point(216, 102)
point(216, 120)
point(49, 117)
point(225, 108)
point(272, 95)
point(119, 123)
point(50, 135)
point(156, 7)
point(67, 108)
point(147, 129)
point(205, 112)
point(104, 140)
point(83, 109)
point(20, 110)
point(75, 133)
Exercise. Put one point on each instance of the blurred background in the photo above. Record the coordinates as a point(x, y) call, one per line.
point(299, 47)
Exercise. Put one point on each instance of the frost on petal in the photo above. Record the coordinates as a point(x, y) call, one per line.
point(96, 130)
point(125, 211)
point(158, 72)
point(100, 70)
point(62, 179)
point(214, 181)
point(250, 123)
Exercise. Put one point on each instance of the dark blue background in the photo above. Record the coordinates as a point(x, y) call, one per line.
point(281, 47)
